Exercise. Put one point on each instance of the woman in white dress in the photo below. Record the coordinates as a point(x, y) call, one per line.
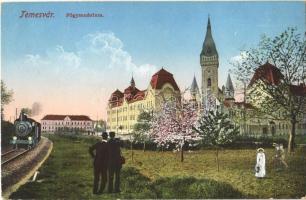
point(260, 167)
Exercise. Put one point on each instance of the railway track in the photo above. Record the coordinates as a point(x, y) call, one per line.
point(11, 155)
point(8, 152)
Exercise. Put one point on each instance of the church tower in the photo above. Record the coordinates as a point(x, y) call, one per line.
point(132, 83)
point(209, 61)
point(195, 92)
point(229, 89)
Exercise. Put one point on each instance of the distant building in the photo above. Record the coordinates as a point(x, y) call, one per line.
point(124, 107)
point(51, 123)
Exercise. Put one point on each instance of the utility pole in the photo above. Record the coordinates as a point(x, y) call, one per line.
point(244, 108)
point(16, 114)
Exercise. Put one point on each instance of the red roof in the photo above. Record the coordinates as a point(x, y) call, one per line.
point(116, 95)
point(162, 77)
point(130, 90)
point(298, 90)
point(267, 73)
point(272, 75)
point(62, 117)
point(228, 104)
point(132, 94)
point(245, 105)
point(140, 95)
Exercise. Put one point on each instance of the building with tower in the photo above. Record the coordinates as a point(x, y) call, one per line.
point(209, 61)
point(242, 113)
point(124, 107)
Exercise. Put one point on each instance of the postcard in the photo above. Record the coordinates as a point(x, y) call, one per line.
point(153, 100)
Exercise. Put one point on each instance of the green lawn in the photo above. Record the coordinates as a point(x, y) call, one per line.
point(68, 174)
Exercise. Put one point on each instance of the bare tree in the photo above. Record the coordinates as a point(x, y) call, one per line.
point(6, 97)
point(284, 99)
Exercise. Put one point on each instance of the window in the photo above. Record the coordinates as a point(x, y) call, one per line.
point(273, 130)
point(208, 82)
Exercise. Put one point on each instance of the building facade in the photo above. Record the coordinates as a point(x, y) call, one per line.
point(52, 123)
point(124, 107)
point(242, 113)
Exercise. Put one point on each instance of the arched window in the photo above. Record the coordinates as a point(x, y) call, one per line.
point(208, 82)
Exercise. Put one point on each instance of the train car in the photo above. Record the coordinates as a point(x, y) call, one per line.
point(27, 132)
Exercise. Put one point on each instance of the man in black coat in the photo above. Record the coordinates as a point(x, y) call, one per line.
point(100, 163)
point(114, 165)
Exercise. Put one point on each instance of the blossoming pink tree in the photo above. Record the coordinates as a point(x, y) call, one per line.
point(173, 125)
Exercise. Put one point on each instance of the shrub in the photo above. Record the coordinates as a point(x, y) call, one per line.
point(254, 142)
point(203, 189)
point(135, 185)
point(7, 132)
point(190, 187)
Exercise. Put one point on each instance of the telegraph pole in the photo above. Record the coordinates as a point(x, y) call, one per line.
point(244, 108)
point(16, 114)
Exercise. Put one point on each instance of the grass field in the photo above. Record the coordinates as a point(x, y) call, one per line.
point(68, 174)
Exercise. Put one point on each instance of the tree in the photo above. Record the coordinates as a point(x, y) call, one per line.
point(142, 128)
point(6, 97)
point(286, 99)
point(173, 125)
point(100, 126)
point(216, 129)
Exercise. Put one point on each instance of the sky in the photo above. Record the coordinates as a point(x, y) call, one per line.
point(72, 65)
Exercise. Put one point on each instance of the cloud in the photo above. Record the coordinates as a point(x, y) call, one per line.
point(70, 59)
point(32, 59)
point(108, 49)
point(238, 58)
point(35, 60)
point(100, 53)
point(61, 79)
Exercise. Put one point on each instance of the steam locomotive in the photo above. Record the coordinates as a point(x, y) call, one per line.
point(27, 132)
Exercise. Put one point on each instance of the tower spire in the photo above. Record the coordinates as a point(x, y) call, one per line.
point(229, 88)
point(209, 47)
point(194, 86)
point(132, 82)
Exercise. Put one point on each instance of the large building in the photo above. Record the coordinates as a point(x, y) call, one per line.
point(52, 123)
point(242, 113)
point(124, 107)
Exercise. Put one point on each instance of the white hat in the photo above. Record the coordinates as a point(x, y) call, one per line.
point(260, 149)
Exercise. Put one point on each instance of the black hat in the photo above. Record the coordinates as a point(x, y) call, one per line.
point(104, 135)
point(112, 134)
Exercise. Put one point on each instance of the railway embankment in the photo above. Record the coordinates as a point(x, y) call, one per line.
point(20, 170)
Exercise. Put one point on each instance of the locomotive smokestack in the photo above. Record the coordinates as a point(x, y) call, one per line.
point(21, 118)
